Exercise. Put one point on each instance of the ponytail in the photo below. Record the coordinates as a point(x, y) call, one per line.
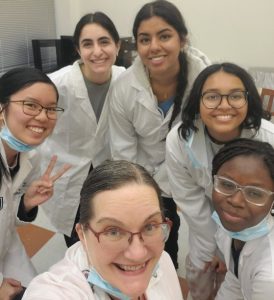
point(181, 87)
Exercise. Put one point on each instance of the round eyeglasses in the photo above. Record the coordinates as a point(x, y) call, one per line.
point(32, 108)
point(252, 194)
point(235, 99)
point(118, 238)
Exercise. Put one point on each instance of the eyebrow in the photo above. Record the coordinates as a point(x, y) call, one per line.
point(38, 102)
point(100, 38)
point(118, 222)
point(158, 33)
point(231, 90)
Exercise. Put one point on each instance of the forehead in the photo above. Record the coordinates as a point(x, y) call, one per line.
point(94, 31)
point(40, 91)
point(247, 170)
point(127, 203)
point(154, 25)
point(223, 81)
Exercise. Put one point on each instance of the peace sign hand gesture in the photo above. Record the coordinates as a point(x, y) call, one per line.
point(41, 190)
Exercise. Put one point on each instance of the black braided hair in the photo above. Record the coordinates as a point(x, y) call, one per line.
point(246, 147)
point(181, 87)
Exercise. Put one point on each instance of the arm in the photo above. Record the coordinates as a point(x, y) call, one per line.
point(189, 194)
point(123, 139)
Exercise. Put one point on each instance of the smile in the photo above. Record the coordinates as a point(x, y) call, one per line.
point(99, 61)
point(134, 268)
point(224, 117)
point(157, 58)
point(37, 129)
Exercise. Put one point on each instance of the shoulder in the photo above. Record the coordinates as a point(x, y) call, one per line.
point(66, 74)
point(64, 280)
point(197, 61)
point(173, 135)
point(266, 132)
point(117, 71)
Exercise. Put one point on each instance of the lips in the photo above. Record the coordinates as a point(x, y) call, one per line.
point(224, 117)
point(231, 217)
point(36, 129)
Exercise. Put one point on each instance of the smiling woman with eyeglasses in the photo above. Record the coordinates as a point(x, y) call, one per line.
point(28, 113)
point(223, 105)
point(243, 195)
point(122, 231)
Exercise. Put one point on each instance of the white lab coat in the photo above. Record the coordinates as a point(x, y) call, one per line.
point(77, 139)
point(65, 280)
point(189, 171)
point(255, 270)
point(14, 261)
point(138, 128)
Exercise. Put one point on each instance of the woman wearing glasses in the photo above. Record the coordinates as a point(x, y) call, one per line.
point(223, 104)
point(122, 234)
point(28, 107)
point(243, 197)
point(81, 135)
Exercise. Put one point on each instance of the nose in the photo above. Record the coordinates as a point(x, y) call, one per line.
point(154, 45)
point(224, 104)
point(97, 50)
point(42, 116)
point(237, 199)
point(136, 250)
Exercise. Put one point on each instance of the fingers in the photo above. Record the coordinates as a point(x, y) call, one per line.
point(60, 172)
point(13, 282)
point(50, 166)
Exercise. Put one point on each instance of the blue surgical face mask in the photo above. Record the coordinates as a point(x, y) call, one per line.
point(13, 142)
point(94, 278)
point(250, 233)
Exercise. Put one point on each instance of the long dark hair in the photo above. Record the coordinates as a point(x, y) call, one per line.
point(111, 175)
point(171, 15)
point(191, 111)
point(12, 82)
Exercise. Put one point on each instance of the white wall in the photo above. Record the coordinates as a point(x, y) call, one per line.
point(241, 31)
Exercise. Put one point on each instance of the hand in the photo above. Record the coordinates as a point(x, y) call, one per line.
point(42, 189)
point(10, 288)
point(216, 265)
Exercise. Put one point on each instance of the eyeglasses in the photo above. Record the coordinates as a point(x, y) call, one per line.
point(31, 108)
point(118, 238)
point(236, 99)
point(252, 194)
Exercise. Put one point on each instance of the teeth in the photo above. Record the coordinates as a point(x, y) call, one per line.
point(36, 129)
point(132, 268)
point(98, 61)
point(157, 58)
point(224, 117)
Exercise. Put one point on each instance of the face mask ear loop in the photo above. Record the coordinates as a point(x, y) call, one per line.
point(86, 246)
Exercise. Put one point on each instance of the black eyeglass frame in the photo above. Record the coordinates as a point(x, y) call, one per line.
point(56, 108)
point(245, 94)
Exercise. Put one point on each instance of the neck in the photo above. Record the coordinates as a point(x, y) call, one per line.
point(11, 154)
point(223, 138)
point(95, 78)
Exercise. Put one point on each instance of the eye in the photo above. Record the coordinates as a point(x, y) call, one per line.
point(150, 228)
point(165, 37)
point(226, 184)
point(114, 232)
point(236, 96)
point(105, 42)
point(254, 193)
point(31, 105)
point(212, 96)
point(144, 40)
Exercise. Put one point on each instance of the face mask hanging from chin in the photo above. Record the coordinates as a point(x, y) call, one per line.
point(94, 278)
point(11, 140)
point(250, 233)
